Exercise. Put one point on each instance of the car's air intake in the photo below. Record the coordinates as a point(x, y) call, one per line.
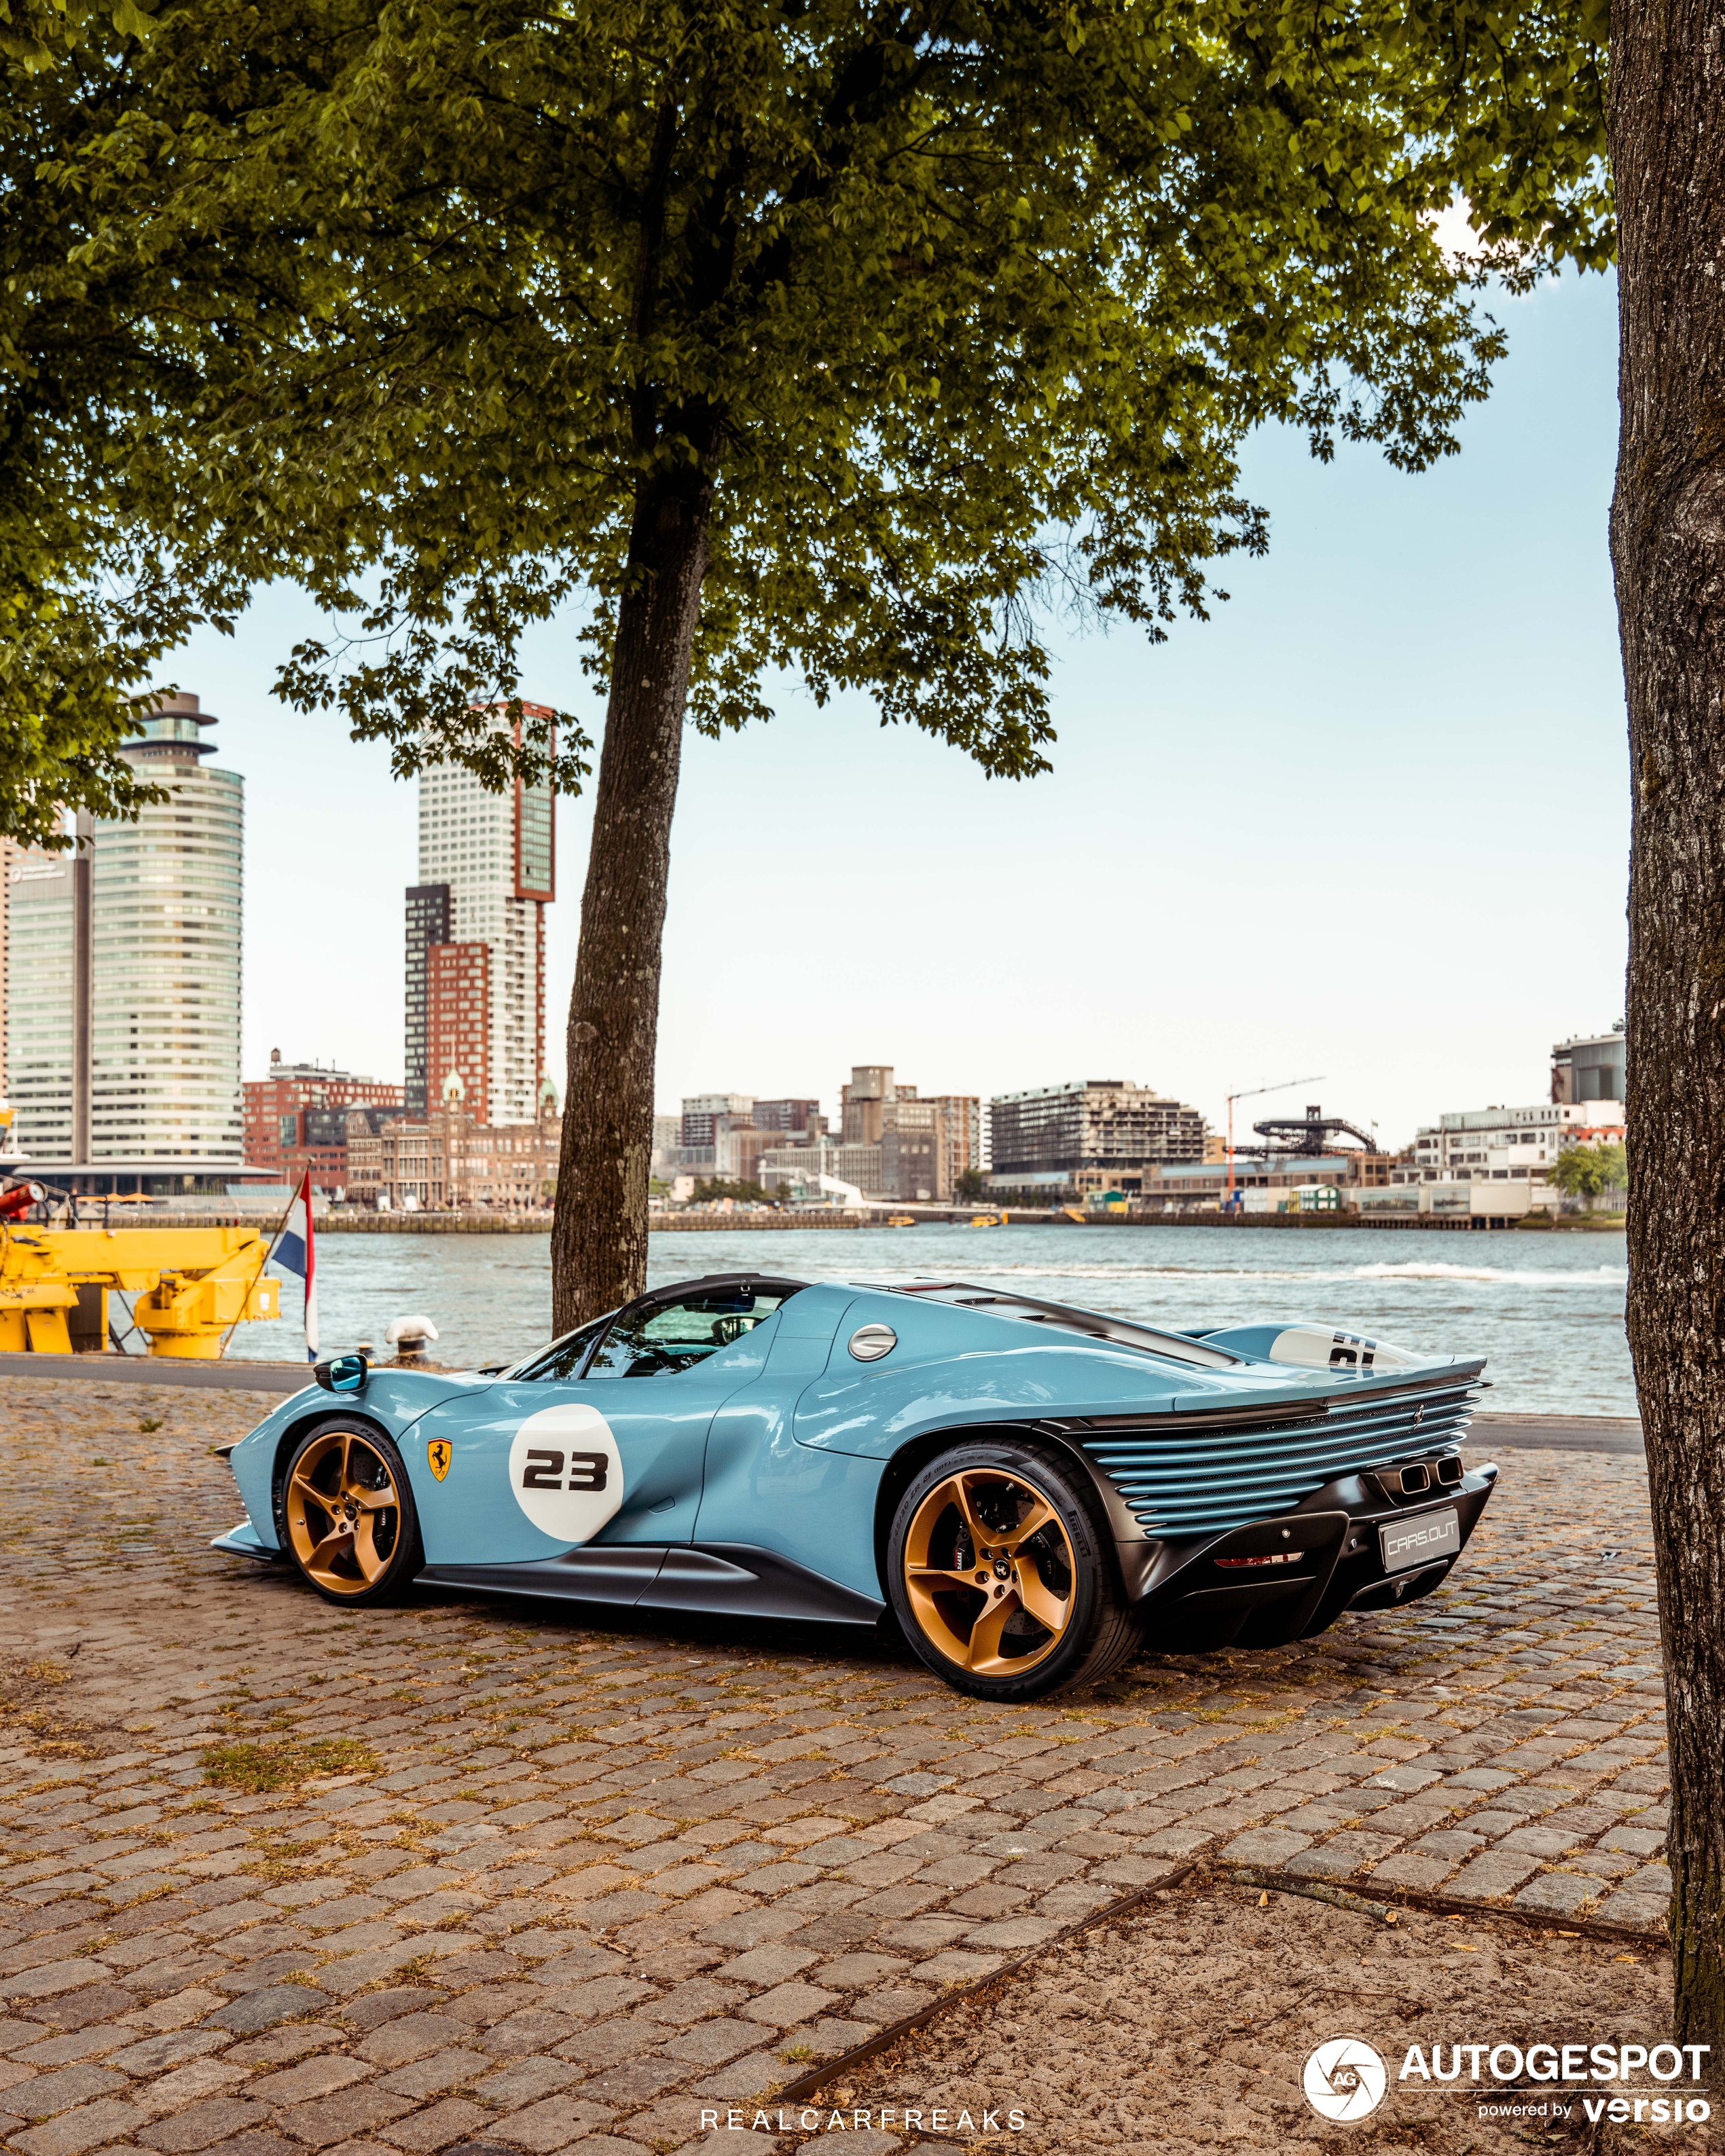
point(1191, 1477)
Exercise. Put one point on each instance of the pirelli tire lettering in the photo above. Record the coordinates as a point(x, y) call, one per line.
point(566, 1472)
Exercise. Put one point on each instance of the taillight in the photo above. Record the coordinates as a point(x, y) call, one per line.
point(1275, 1556)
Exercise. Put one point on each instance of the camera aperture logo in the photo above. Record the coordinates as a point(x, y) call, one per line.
point(1345, 2078)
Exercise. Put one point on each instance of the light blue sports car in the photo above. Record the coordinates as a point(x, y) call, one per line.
point(1030, 1490)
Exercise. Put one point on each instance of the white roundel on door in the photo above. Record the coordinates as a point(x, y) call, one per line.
point(566, 1471)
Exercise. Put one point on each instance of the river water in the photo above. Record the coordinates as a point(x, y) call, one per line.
point(1545, 1310)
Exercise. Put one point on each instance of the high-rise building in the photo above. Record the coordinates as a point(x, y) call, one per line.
point(428, 924)
point(123, 987)
point(39, 1002)
point(458, 1023)
point(475, 942)
point(1093, 1133)
point(9, 853)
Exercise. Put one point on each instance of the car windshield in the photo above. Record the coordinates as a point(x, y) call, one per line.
point(564, 1357)
point(1119, 1332)
point(675, 1336)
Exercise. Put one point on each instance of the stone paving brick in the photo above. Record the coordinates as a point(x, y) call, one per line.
point(338, 2118)
point(454, 2119)
point(431, 2076)
point(39, 2096)
point(1562, 1892)
point(172, 2092)
point(200, 2124)
point(1491, 1877)
point(638, 1846)
point(73, 2132)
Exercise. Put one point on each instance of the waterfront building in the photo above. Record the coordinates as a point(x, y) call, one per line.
point(913, 1149)
point(701, 1109)
point(795, 1171)
point(793, 1115)
point(1507, 1144)
point(475, 941)
point(724, 1136)
point(1262, 1182)
point(123, 980)
point(450, 1160)
point(963, 1138)
point(296, 1119)
point(1090, 1134)
point(862, 1104)
point(926, 1140)
point(1590, 1067)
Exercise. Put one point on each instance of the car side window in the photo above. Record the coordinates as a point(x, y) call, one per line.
point(664, 1337)
point(561, 1361)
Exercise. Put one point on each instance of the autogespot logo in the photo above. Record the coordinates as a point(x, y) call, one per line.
point(1345, 2078)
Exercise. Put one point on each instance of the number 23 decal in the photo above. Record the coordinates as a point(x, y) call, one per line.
point(544, 1470)
point(566, 1472)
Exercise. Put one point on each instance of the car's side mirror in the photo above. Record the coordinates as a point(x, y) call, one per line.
point(342, 1373)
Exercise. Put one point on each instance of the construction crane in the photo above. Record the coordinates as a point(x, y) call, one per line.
point(1251, 1093)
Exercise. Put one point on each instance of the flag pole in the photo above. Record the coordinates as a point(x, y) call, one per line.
point(311, 1304)
point(269, 1252)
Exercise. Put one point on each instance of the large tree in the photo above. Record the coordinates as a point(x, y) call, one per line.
point(785, 337)
point(1668, 551)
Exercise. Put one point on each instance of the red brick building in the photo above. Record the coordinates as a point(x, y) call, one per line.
point(296, 1118)
point(458, 1025)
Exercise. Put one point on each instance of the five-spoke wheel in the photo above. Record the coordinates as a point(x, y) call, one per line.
point(347, 1512)
point(989, 1572)
point(1001, 1576)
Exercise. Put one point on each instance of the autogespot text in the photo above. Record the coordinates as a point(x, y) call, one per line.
point(1573, 2067)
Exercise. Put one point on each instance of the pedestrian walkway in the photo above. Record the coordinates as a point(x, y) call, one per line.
point(566, 1880)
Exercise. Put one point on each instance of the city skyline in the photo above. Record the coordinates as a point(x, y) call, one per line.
point(1369, 822)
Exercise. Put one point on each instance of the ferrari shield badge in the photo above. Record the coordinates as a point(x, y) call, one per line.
point(437, 1456)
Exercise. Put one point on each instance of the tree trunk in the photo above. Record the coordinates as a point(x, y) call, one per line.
point(1668, 551)
point(599, 1237)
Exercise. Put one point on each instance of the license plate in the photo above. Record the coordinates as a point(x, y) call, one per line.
point(1418, 1540)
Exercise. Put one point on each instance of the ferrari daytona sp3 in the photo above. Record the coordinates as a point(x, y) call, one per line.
point(1029, 1491)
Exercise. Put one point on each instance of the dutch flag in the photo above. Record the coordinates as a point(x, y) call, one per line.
point(294, 1252)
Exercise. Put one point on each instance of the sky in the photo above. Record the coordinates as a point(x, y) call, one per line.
point(1365, 829)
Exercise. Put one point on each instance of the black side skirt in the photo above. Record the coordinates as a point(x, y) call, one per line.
point(729, 1579)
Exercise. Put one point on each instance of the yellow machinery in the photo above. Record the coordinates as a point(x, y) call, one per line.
point(192, 1285)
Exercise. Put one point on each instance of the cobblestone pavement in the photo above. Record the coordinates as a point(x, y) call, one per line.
point(278, 1879)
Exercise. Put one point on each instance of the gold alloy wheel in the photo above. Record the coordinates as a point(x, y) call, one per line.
point(343, 1514)
point(989, 1571)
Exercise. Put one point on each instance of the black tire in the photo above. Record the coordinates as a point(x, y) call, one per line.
point(326, 1508)
point(933, 1564)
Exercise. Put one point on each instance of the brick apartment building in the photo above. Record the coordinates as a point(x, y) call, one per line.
point(299, 1118)
point(458, 1025)
point(449, 1160)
